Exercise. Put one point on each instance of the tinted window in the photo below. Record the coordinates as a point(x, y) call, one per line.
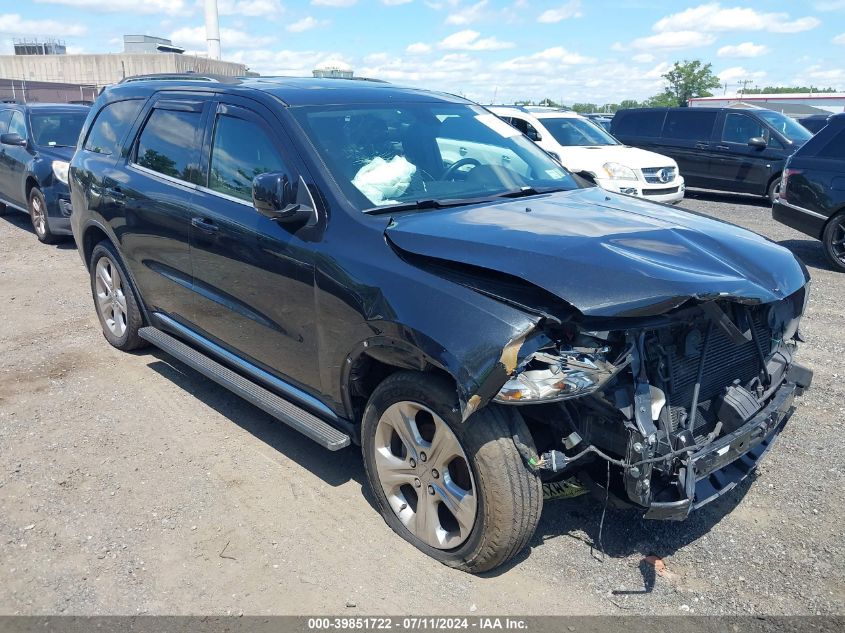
point(689, 125)
point(741, 127)
point(5, 117)
point(169, 143)
point(111, 125)
point(647, 124)
point(57, 128)
point(571, 132)
point(17, 125)
point(835, 147)
point(523, 126)
point(240, 152)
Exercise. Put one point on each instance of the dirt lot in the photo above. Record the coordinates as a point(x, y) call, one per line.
point(129, 484)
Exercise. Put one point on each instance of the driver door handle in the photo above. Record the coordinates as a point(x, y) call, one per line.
point(205, 225)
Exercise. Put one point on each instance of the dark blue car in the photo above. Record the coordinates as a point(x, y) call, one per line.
point(37, 142)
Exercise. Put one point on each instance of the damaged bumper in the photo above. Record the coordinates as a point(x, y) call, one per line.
point(714, 470)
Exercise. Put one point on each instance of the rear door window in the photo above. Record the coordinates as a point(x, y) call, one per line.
point(111, 125)
point(240, 151)
point(690, 124)
point(170, 144)
point(645, 124)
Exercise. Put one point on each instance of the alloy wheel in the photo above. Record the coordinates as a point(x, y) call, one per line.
point(111, 300)
point(39, 216)
point(425, 475)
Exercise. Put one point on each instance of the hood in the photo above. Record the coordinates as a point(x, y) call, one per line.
point(604, 254)
point(56, 153)
point(592, 158)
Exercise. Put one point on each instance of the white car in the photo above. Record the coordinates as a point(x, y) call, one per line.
point(587, 149)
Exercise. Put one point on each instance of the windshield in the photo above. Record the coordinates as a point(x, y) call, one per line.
point(56, 129)
point(577, 132)
point(427, 154)
point(790, 128)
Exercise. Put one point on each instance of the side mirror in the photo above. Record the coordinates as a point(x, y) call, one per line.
point(12, 138)
point(757, 141)
point(273, 196)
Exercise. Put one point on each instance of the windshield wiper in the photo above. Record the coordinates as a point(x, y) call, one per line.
point(528, 191)
point(426, 203)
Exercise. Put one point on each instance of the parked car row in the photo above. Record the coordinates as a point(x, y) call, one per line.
point(406, 271)
point(36, 143)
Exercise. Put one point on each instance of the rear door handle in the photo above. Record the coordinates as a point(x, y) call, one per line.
point(115, 194)
point(722, 147)
point(701, 146)
point(205, 225)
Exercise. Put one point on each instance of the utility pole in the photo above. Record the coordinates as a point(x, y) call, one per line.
point(744, 83)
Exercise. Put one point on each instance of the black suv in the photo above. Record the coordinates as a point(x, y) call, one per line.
point(36, 143)
point(403, 270)
point(812, 192)
point(727, 149)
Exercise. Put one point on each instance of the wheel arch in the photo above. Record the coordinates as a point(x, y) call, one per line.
point(30, 183)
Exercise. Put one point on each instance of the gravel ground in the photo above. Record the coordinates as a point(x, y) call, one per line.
point(129, 484)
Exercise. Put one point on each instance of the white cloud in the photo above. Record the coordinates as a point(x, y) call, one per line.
point(673, 40)
point(169, 7)
point(738, 73)
point(643, 58)
point(746, 49)
point(571, 9)
point(229, 38)
point(545, 61)
point(333, 3)
point(13, 24)
point(248, 8)
point(393, 3)
point(284, 62)
point(305, 24)
point(839, 39)
point(830, 5)
point(469, 40)
point(418, 48)
point(470, 14)
point(712, 18)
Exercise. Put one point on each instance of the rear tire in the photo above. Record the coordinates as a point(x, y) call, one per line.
point(38, 217)
point(114, 299)
point(833, 242)
point(772, 191)
point(495, 491)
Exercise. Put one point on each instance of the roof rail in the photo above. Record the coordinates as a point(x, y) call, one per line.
point(186, 76)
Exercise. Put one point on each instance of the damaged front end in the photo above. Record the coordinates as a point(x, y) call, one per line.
point(681, 406)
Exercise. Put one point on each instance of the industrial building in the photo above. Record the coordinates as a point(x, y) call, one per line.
point(47, 61)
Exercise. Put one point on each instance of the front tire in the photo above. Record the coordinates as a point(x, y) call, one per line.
point(772, 191)
point(458, 491)
point(38, 216)
point(833, 242)
point(114, 299)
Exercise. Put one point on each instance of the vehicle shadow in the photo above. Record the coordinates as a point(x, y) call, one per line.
point(809, 251)
point(727, 197)
point(624, 532)
point(334, 468)
point(23, 222)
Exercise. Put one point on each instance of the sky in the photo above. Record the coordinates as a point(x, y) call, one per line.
point(487, 50)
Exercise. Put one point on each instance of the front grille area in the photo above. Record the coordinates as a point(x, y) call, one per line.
point(652, 174)
point(725, 362)
point(660, 192)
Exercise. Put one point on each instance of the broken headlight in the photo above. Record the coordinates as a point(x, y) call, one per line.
point(551, 376)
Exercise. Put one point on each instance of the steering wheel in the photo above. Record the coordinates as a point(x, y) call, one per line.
point(450, 171)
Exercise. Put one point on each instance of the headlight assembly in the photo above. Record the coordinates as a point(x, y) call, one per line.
point(60, 170)
point(616, 171)
point(550, 377)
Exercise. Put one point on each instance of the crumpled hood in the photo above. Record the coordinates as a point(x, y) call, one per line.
point(606, 255)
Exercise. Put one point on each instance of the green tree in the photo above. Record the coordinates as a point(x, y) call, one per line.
point(584, 107)
point(629, 103)
point(688, 79)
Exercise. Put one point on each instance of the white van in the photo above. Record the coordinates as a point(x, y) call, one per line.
point(587, 149)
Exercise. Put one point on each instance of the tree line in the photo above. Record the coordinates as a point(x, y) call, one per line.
point(686, 80)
